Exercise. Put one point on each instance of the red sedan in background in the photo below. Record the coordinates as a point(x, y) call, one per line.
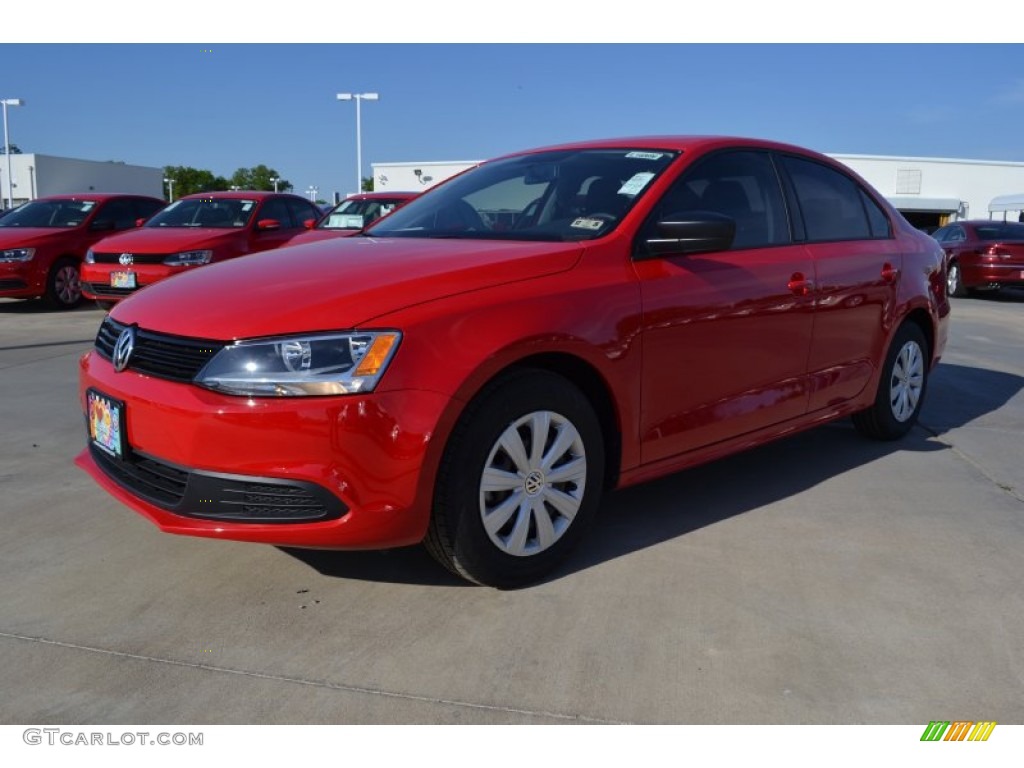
point(43, 242)
point(475, 369)
point(982, 254)
point(353, 214)
point(190, 232)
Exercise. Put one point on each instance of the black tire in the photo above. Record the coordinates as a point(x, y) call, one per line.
point(106, 306)
point(901, 387)
point(545, 518)
point(954, 281)
point(63, 284)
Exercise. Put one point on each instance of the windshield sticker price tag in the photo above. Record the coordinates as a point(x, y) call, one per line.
point(637, 183)
point(645, 155)
point(584, 223)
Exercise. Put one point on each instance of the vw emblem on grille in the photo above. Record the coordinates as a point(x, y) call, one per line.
point(123, 348)
point(126, 259)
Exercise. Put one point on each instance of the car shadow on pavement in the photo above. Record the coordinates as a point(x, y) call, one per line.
point(645, 515)
point(37, 306)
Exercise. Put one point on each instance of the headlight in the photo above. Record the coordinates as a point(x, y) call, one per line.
point(188, 258)
point(90, 257)
point(336, 364)
point(17, 254)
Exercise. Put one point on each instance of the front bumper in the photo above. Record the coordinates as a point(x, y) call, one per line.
point(367, 458)
point(96, 279)
point(20, 280)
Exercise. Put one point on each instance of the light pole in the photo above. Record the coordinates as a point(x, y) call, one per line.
point(313, 192)
point(7, 146)
point(274, 182)
point(170, 190)
point(359, 140)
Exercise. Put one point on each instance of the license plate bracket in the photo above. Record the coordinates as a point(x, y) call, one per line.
point(122, 279)
point(106, 418)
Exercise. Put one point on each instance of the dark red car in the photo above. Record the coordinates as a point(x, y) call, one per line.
point(190, 232)
point(982, 254)
point(43, 242)
point(475, 369)
point(353, 214)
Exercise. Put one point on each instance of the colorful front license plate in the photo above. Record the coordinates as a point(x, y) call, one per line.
point(106, 423)
point(123, 280)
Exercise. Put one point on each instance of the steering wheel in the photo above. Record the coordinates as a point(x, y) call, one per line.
point(459, 216)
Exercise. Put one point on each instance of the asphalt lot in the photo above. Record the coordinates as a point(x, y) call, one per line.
point(823, 579)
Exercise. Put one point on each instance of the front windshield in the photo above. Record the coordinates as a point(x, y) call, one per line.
point(356, 214)
point(215, 213)
point(575, 194)
point(49, 214)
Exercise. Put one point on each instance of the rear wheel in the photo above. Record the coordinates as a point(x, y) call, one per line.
point(63, 284)
point(901, 388)
point(519, 483)
point(955, 281)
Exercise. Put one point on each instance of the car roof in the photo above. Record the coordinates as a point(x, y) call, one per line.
point(241, 194)
point(681, 143)
point(379, 195)
point(95, 196)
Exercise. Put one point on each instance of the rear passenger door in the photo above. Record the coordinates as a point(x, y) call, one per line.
point(725, 335)
point(857, 265)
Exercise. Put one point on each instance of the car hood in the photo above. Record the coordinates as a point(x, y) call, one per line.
point(316, 235)
point(26, 237)
point(334, 284)
point(169, 240)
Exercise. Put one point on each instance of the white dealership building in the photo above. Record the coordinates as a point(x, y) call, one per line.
point(930, 191)
point(34, 175)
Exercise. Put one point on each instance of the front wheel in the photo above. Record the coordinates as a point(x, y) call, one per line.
point(901, 388)
point(63, 285)
point(519, 483)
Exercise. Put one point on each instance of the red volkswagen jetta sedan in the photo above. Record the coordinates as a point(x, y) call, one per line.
point(43, 242)
point(655, 303)
point(192, 231)
point(353, 214)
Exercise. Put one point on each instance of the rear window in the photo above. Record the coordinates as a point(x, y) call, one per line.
point(1000, 231)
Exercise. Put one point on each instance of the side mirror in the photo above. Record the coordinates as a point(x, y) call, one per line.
point(309, 223)
point(690, 232)
point(268, 224)
point(139, 222)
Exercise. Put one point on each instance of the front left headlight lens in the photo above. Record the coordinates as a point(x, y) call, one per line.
point(296, 366)
point(90, 257)
point(188, 258)
point(17, 254)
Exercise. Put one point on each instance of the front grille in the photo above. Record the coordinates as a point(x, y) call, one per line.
point(10, 285)
point(154, 481)
point(103, 289)
point(176, 358)
point(137, 258)
point(214, 496)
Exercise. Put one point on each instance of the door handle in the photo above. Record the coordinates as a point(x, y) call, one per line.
point(799, 284)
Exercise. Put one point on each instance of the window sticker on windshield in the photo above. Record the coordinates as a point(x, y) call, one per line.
point(87, 206)
point(645, 155)
point(246, 206)
point(634, 185)
point(584, 223)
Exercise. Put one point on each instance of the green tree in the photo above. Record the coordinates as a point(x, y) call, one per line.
point(259, 177)
point(367, 183)
point(15, 149)
point(188, 180)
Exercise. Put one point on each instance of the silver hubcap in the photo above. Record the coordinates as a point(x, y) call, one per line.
point(67, 285)
point(533, 483)
point(952, 278)
point(906, 382)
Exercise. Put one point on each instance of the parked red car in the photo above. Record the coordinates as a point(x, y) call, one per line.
point(353, 214)
point(190, 232)
point(43, 242)
point(982, 254)
point(645, 305)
